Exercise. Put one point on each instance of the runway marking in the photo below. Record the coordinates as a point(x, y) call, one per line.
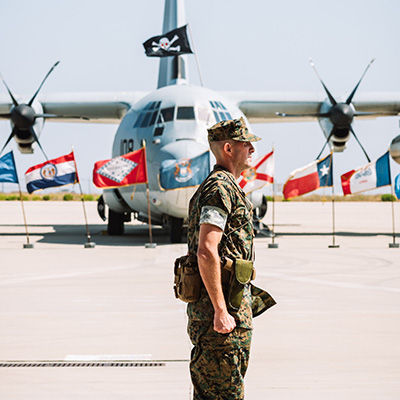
point(344, 285)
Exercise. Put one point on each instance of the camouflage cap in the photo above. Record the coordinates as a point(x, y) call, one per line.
point(235, 129)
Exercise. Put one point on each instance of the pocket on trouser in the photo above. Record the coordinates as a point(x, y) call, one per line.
point(219, 364)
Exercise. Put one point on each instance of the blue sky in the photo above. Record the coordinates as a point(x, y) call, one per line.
point(253, 45)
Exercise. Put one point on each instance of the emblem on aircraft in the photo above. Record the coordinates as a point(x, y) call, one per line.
point(117, 169)
point(183, 171)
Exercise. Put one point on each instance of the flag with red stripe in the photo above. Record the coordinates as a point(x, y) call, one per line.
point(124, 170)
point(261, 174)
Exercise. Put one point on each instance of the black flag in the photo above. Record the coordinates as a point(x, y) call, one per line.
point(172, 43)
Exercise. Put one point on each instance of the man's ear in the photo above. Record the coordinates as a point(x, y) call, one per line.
point(227, 148)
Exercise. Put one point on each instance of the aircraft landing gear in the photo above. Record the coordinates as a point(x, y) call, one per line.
point(176, 230)
point(115, 223)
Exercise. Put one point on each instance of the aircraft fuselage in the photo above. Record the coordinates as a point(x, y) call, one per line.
point(172, 122)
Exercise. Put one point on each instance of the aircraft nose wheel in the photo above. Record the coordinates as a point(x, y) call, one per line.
point(176, 230)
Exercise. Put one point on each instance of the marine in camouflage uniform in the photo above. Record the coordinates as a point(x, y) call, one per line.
point(219, 361)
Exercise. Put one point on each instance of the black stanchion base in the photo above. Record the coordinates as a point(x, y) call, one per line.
point(28, 246)
point(393, 245)
point(150, 245)
point(273, 245)
point(90, 245)
point(333, 246)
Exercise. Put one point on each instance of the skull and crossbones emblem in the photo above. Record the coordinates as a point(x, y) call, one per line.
point(165, 44)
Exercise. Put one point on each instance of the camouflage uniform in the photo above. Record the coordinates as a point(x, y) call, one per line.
point(219, 361)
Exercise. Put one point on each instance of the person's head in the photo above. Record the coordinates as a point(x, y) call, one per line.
point(231, 143)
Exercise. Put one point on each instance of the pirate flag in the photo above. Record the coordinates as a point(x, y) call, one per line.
point(172, 43)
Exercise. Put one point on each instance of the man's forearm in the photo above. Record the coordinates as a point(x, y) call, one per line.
point(210, 271)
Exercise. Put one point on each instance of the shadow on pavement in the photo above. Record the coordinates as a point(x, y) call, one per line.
point(135, 235)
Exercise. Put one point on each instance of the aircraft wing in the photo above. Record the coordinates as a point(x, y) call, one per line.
point(262, 107)
point(107, 107)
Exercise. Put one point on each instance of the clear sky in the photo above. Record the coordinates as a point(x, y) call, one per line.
point(254, 45)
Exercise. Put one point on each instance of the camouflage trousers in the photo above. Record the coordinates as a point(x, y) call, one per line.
point(218, 361)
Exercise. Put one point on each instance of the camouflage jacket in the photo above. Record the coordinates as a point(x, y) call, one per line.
point(221, 190)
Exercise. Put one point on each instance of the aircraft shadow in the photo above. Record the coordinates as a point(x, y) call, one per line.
point(135, 235)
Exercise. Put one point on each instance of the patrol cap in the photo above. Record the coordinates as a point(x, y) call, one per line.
point(235, 129)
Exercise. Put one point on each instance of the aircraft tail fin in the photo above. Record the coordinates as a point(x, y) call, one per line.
point(173, 69)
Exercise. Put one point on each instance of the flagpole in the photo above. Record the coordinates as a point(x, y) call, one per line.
point(89, 244)
point(273, 245)
point(27, 245)
point(195, 55)
point(150, 245)
point(333, 245)
point(394, 244)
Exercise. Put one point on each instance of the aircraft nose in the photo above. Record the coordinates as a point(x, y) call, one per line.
point(182, 148)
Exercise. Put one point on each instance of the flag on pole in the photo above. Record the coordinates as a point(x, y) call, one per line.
point(124, 170)
point(309, 178)
point(261, 174)
point(186, 172)
point(172, 43)
point(397, 186)
point(371, 176)
point(8, 171)
point(52, 173)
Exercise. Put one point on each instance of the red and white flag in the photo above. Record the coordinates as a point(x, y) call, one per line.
point(124, 170)
point(261, 174)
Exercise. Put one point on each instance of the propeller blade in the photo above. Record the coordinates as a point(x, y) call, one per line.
point(61, 116)
point(354, 134)
point(367, 113)
point(9, 138)
point(350, 98)
point(15, 102)
point(5, 115)
point(318, 115)
point(33, 133)
point(332, 100)
point(43, 81)
point(327, 141)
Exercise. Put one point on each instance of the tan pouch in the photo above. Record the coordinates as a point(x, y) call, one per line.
point(187, 282)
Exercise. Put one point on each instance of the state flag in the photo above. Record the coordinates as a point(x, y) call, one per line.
point(371, 176)
point(172, 43)
point(125, 170)
point(261, 174)
point(8, 170)
point(52, 173)
point(309, 178)
point(186, 172)
point(397, 186)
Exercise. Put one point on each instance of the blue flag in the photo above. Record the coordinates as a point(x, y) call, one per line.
point(186, 172)
point(8, 171)
point(397, 186)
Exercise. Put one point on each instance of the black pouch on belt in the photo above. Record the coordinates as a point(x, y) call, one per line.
point(242, 274)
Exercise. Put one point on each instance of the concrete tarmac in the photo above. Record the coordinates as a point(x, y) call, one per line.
point(334, 333)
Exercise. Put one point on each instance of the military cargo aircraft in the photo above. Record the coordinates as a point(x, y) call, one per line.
point(172, 120)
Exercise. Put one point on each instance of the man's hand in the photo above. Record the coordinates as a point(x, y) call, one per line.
point(224, 322)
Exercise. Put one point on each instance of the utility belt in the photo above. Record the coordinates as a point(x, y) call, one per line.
point(235, 274)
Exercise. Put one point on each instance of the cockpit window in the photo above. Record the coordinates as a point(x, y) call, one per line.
point(185, 113)
point(219, 110)
point(148, 115)
point(166, 115)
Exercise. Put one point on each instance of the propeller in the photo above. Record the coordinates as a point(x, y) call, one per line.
point(23, 117)
point(341, 114)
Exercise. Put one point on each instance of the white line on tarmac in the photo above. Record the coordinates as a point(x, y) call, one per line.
point(315, 281)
